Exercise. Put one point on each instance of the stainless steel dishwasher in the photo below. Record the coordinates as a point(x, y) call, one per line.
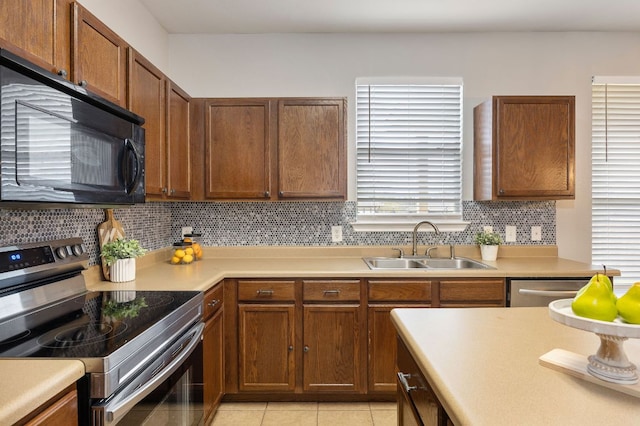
point(542, 291)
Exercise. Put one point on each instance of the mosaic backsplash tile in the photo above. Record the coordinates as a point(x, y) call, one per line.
point(158, 225)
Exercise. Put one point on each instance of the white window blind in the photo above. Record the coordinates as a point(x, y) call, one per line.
point(409, 140)
point(616, 178)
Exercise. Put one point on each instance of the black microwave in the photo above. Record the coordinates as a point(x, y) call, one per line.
point(63, 146)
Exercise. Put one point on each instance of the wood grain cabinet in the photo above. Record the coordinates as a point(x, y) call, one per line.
point(47, 42)
point(178, 166)
point(524, 148)
point(61, 410)
point(266, 336)
point(385, 295)
point(213, 351)
point(472, 292)
point(333, 337)
point(99, 59)
point(275, 149)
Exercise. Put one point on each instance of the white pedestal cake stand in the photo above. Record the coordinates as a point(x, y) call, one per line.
point(610, 363)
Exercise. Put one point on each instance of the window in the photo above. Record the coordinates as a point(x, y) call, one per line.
point(615, 133)
point(409, 138)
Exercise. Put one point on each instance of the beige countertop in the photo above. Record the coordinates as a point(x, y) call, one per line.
point(156, 273)
point(483, 365)
point(27, 384)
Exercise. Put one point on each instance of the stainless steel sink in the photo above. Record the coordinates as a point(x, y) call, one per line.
point(392, 263)
point(455, 263)
point(425, 263)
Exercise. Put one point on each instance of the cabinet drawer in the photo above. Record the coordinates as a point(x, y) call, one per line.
point(263, 290)
point(331, 290)
point(400, 290)
point(212, 301)
point(456, 293)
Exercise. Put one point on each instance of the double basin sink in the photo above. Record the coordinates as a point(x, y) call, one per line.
point(423, 263)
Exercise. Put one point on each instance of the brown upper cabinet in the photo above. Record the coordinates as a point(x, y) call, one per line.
point(99, 59)
point(275, 149)
point(524, 148)
point(47, 42)
point(178, 143)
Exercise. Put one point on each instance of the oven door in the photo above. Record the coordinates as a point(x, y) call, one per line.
point(169, 391)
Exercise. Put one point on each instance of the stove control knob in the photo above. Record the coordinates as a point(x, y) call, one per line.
point(61, 252)
point(76, 249)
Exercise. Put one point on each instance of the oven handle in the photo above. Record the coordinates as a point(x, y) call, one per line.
point(552, 293)
point(113, 410)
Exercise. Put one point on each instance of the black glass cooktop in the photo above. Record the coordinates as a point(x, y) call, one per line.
point(92, 325)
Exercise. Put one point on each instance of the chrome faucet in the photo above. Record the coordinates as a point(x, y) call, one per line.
point(415, 234)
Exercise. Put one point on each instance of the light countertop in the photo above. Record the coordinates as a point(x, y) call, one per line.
point(156, 273)
point(483, 365)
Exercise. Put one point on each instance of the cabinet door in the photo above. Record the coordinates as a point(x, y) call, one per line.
point(382, 347)
point(61, 412)
point(147, 96)
point(213, 364)
point(178, 142)
point(311, 148)
point(99, 57)
point(237, 149)
point(47, 40)
point(534, 142)
point(266, 347)
point(333, 352)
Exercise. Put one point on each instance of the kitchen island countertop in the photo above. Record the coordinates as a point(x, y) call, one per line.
point(483, 365)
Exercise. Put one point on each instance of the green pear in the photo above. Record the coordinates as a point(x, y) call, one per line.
point(607, 281)
point(629, 305)
point(595, 300)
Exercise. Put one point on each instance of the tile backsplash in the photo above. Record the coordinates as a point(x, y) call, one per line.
point(158, 225)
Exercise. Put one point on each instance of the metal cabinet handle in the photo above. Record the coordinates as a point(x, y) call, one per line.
point(267, 194)
point(501, 191)
point(164, 190)
point(405, 384)
point(264, 292)
point(306, 348)
point(83, 83)
point(63, 73)
point(173, 191)
point(213, 303)
point(290, 348)
point(331, 292)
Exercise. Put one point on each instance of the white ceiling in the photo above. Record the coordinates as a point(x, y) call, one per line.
point(346, 16)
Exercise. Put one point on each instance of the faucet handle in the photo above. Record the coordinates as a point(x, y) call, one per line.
point(401, 252)
point(428, 251)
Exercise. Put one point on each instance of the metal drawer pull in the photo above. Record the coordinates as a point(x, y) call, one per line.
point(290, 348)
point(552, 293)
point(405, 384)
point(264, 292)
point(213, 303)
point(332, 292)
point(306, 348)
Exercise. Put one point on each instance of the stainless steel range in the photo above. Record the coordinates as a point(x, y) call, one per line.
point(140, 348)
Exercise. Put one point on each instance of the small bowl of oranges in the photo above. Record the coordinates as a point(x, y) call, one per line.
point(186, 251)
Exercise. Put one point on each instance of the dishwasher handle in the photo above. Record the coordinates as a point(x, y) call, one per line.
point(550, 293)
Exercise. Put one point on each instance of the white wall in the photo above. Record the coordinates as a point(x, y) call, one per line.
point(133, 22)
point(489, 63)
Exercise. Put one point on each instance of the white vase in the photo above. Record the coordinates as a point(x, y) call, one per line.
point(123, 270)
point(489, 252)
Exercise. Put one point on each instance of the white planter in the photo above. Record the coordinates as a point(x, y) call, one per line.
point(123, 270)
point(489, 252)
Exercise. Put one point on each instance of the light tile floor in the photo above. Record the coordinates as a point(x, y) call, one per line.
point(306, 414)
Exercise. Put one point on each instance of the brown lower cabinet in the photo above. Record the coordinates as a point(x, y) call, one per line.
point(297, 339)
point(417, 403)
point(213, 351)
point(60, 411)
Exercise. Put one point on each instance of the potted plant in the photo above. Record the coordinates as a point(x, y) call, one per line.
point(489, 242)
point(120, 256)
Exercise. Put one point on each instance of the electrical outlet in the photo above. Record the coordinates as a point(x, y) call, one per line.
point(510, 233)
point(336, 234)
point(487, 228)
point(536, 233)
point(186, 230)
